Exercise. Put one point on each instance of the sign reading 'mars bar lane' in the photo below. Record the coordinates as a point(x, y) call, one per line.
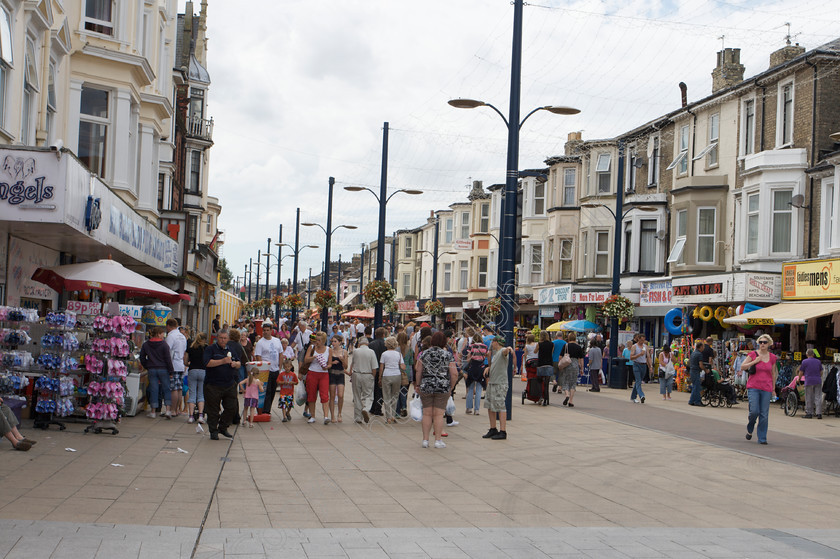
point(814, 279)
point(701, 289)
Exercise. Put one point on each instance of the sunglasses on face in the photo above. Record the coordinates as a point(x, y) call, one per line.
point(763, 342)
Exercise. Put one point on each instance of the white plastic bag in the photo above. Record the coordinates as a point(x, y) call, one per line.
point(300, 394)
point(450, 406)
point(415, 408)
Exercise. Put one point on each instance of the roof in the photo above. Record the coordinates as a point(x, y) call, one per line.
point(197, 72)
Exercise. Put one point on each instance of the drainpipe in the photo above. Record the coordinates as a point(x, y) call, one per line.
point(693, 140)
point(41, 129)
point(813, 160)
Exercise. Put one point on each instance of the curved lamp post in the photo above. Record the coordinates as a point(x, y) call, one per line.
point(324, 280)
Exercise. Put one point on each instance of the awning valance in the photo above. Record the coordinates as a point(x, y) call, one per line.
point(786, 313)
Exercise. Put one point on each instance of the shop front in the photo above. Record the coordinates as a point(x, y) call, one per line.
point(53, 212)
point(568, 302)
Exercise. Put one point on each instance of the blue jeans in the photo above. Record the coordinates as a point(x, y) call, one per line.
point(665, 384)
point(474, 396)
point(694, 399)
point(159, 380)
point(639, 370)
point(759, 408)
point(196, 380)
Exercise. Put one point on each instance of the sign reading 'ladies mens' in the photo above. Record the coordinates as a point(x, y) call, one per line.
point(815, 279)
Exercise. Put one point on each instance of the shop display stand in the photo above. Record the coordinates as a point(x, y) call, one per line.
point(106, 363)
point(14, 364)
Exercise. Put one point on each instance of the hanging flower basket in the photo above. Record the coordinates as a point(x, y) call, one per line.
point(338, 308)
point(361, 307)
point(379, 291)
point(618, 306)
point(279, 300)
point(294, 301)
point(390, 307)
point(324, 298)
point(493, 307)
point(434, 308)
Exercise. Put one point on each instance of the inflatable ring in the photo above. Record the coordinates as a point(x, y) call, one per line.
point(671, 324)
point(705, 313)
point(720, 314)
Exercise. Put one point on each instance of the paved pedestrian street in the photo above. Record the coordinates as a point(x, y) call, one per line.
point(608, 478)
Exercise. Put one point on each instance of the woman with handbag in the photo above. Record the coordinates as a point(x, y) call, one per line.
point(569, 374)
point(761, 386)
point(408, 356)
point(665, 362)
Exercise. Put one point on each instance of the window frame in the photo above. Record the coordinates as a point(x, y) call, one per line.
point(465, 225)
point(98, 26)
point(448, 230)
point(603, 172)
point(568, 260)
point(406, 284)
point(677, 254)
point(569, 190)
point(602, 253)
point(484, 217)
point(447, 277)
point(407, 248)
point(482, 275)
point(85, 118)
point(712, 155)
point(787, 209)
point(464, 275)
point(642, 232)
point(753, 216)
point(747, 126)
point(538, 199)
point(195, 172)
point(653, 161)
point(785, 120)
point(703, 236)
point(536, 267)
point(828, 214)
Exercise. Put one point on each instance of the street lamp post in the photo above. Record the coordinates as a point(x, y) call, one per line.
point(309, 289)
point(328, 231)
point(279, 258)
point(508, 249)
point(393, 269)
point(259, 262)
point(250, 277)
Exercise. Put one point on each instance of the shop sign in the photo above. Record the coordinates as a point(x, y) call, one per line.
point(817, 279)
point(547, 313)
point(554, 295)
point(19, 185)
point(762, 287)
point(462, 244)
point(701, 289)
point(472, 304)
point(84, 307)
point(592, 297)
point(406, 306)
point(144, 237)
point(652, 293)
point(134, 311)
point(760, 322)
point(797, 356)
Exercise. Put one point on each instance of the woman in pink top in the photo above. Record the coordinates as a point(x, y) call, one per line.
point(760, 386)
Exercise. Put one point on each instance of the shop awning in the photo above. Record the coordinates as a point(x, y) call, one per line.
point(786, 313)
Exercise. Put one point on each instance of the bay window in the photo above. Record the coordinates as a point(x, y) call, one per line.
point(565, 259)
point(99, 16)
point(464, 274)
point(706, 231)
point(647, 245)
point(569, 184)
point(782, 214)
point(602, 171)
point(93, 129)
point(602, 253)
point(482, 271)
point(752, 223)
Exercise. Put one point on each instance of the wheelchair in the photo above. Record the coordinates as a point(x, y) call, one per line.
point(714, 398)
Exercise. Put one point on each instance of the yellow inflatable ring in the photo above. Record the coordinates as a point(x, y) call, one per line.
point(721, 313)
point(705, 313)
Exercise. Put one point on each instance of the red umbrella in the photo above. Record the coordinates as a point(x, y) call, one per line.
point(104, 275)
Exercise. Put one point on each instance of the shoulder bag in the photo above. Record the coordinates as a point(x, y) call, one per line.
point(565, 359)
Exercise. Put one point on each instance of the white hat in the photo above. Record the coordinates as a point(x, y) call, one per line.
point(267, 323)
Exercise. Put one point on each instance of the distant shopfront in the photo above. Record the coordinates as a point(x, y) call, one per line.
point(567, 302)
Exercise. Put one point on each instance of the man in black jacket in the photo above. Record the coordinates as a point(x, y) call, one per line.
point(222, 362)
point(378, 347)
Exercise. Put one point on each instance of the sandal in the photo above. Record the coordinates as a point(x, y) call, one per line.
point(30, 441)
point(339, 418)
point(23, 446)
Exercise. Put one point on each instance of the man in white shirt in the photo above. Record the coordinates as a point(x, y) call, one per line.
point(362, 374)
point(177, 347)
point(268, 349)
point(300, 338)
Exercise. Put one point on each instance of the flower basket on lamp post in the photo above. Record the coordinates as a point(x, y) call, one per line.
point(294, 301)
point(618, 306)
point(434, 308)
point(324, 299)
point(493, 307)
point(379, 291)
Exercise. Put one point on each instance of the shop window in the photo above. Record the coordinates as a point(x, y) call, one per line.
point(569, 185)
point(565, 259)
point(602, 171)
point(464, 273)
point(706, 228)
point(602, 253)
point(782, 214)
point(93, 129)
point(752, 223)
point(99, 16)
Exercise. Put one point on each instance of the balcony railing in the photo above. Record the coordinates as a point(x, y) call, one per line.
point(200, 128)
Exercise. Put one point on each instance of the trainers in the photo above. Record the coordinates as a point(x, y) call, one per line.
point(807, 416)
point(637, 401)
point(199, 429)
point(326, 421)
point(310, 420)
point(151, 414)
point(190, 419)
point(284, 420)
point(201, 418)
point(425, 444)
point(490, 432)
point(501, 435)
point(469, 411)
point(306, 414)
point(643, 399)
point(453, 424)
point(168, 415)
point(819, 416)
point(440, 444)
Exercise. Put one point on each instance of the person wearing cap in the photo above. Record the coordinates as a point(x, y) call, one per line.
point(332, 331)
point(362, 370)
point(268, 349)
point(497, 388)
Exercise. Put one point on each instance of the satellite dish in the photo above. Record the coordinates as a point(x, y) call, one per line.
point(660, 235)
point(798, 201)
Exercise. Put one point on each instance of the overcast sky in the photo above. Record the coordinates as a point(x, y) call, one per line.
point(301, 88)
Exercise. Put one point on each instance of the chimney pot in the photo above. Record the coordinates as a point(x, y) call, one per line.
point(684, 93)
point(729, 69)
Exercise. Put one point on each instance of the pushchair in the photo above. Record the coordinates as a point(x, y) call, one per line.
point(792, 396)
point(536, 387)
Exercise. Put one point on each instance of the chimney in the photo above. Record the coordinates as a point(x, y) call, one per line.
point(477, 192)
point(785, 54)
point(729, 70)
point(201, 40)
point(573, 143)
point(684, 93)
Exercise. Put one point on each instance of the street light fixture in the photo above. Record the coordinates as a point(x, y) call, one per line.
point(512, 175)
point(383, 200)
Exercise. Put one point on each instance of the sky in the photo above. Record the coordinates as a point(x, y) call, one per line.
point(301, 88)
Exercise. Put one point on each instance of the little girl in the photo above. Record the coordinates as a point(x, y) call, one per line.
point(287, 381)
point(253, 386)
